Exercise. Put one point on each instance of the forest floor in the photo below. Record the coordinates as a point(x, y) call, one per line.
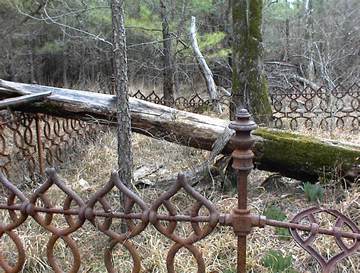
point(276, 197)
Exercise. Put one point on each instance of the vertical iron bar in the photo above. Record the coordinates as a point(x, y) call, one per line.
point(242, 164)
point(242, 208)
point(39, 145)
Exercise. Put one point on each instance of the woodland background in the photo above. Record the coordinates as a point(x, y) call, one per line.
point(66, 43)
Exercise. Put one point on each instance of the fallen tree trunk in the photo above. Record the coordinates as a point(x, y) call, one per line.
point(292, 155)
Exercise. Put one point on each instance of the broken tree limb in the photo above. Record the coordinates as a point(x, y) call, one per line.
point(205, 169)
point(11, 102)
point(204, 68)
point(290, 154)
point(306, 81)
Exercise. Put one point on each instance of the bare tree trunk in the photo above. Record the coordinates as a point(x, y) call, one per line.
point(31, 61)
point(168, 80)
point(82, 67)
point(65, 63)
point(125, 159)
point(309, 38)
point(287, 37)
point(204, 68)
point(249, 86)
point(180, 29)
point(65, 67)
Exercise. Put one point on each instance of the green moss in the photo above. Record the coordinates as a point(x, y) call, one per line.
point(247, 55)
point(292, 150)
point(255, 8)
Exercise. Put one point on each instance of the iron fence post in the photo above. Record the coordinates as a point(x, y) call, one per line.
point(242, 164)
point(40, 145)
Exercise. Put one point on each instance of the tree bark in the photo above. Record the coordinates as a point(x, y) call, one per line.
point(292, 155)
point(287, 36)
point(125, 159)
point(249, 86)
point(31, 60)
point(65, 63)
point(204, 68)
point(309, 38)
point(168, 67)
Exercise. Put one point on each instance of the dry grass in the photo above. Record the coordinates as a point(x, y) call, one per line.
point(91, 171)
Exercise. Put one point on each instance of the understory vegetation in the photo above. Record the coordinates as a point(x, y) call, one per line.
point(291, 63)
point(269, 250)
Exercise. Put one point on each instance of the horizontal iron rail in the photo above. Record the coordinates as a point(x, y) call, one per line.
point(309, 228)
point(222, 219)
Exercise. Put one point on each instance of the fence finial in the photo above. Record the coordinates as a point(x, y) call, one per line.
point(242, 164)
point(242, 155)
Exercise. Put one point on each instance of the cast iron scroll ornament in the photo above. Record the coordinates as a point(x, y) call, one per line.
point(76, 212)
point(341, 222)
point(199, 232)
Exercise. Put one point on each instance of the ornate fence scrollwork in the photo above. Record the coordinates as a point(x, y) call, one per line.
point(32, 141)
point(304, 227)
point(338, 108)
point(292, 107)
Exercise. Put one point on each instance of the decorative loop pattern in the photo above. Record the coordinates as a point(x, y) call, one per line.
point(59, 134)
point(309, 215)
point(292, 108)
point(21, 134)
point(76, 212)
point(327, 109)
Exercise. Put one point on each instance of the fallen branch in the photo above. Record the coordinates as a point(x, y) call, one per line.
point(204, 68)
point(5, 103)
point(306, 81)
point(205, 169)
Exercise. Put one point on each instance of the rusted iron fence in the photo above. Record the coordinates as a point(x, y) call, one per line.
point(30, 142)
point(98, 211)
point(338, 108)
point(36, 141)
point(293, 108)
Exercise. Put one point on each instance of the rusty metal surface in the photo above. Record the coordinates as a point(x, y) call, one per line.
point(34, 141)
point(293, 108)
point(163, 215)
point(76, 212)
point(242, 164)
point(338, 108)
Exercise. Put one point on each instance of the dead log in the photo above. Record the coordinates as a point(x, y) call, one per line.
point(290, 154)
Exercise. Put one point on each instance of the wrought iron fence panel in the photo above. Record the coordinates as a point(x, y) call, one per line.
point(293, 108)
point(98, 210)
point(34, 141)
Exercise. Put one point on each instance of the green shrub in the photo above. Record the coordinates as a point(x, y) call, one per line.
point(276, 213)
point(313, 192)
point(277, 263)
